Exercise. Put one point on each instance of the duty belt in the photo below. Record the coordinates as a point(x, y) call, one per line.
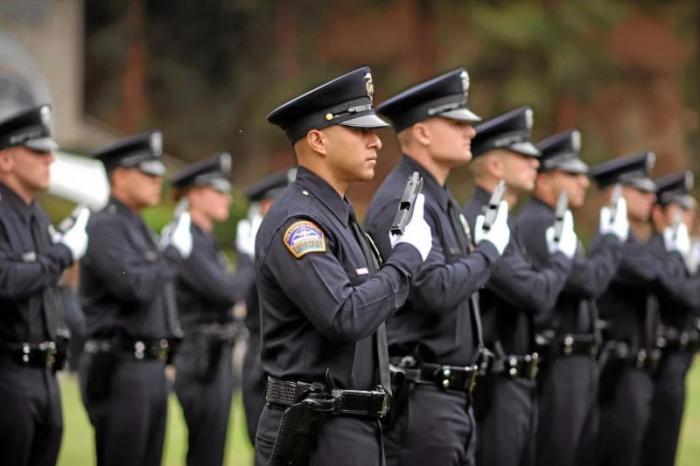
point(31, 354)
point(642, 359)
point(570, 345)
point(516, 366)
point(687, 342)
point(364, 403)
point(457, 378)
point(139, 349)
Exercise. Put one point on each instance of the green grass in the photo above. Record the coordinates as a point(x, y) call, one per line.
point(78, 445)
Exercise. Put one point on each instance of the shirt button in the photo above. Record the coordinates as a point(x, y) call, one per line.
point(305, 192)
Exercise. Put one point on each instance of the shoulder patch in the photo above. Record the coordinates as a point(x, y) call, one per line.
point(303, 237)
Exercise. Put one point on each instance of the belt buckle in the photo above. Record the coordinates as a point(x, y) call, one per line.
point(534, 365)
point(446, 373)
point(568, 344)
point(513, 366)
point(139, 349)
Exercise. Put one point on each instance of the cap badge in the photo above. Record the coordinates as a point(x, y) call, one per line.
point(369, 86)
point(576, 140)
point(225, 162)
point(528, 118)
point(45, 114)
point(464, 76)
point(156, 144)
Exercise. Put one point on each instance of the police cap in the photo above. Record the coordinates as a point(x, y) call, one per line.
point(346, 101)
point(29, 128)
point(213, 172)
point(632, 170)
point(444, 96)
point(562, 152)
point(510, 131)
point(142, 151)
point(675, 188)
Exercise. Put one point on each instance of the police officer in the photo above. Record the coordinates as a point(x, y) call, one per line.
point(569, 336)
point(261, 195)
point(517, 293)
point(206, 292)
point(625, 384)
point(436, 336)
point(129, 303)
point(672, 213)
point(32, 260)
point(324, 297)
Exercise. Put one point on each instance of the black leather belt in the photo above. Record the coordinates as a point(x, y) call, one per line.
point(139, 349)
point(31, 354)
point(642, 359)
point(516, 366)
point(686, 342)
point(457, 378)
point(570, 345)
point(364, 403)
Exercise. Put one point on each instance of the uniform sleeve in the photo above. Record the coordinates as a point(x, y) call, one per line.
point(637, 266)
point(125, 272)
point(534, 291)
point(321, 288)
point(440, 287)
point(20, 279)
point(204, 274)
point(591, 275)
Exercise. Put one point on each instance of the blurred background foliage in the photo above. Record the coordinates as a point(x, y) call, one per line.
point(208, 72)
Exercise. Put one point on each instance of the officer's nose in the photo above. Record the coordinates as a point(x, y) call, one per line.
point(375, 141)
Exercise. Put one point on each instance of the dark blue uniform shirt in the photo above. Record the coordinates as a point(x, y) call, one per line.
point(124, 278)
point(319, 305)
point(517, 292)
point(30, 268)
point(590, 275)
point(435, 325)
point(206, 290)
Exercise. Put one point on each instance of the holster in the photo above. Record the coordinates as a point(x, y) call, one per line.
point(101, 365)
point(481, 396)
point(208, 354)
point(298, 431)
point(400, 390)
point(612, 364)
point(62, 353)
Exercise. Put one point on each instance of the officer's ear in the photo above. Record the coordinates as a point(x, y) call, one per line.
point(495, 166)
point(317, 141)
point(421, 134)
point(7, 161)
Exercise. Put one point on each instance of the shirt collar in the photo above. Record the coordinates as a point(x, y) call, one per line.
point(325, 193)
point(117, 206)
point(431, 187)
point(539, 204)
point(24, 210)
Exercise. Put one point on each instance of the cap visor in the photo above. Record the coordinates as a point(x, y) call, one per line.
point(461, 114)
point(642, 184)
point(152, 167)
point(574, 166)
point(525, 148)
point(42, 145)
point(219, 184)
point(370, 120)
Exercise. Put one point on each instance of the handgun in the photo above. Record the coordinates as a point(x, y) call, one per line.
point(677, 220)
point(614, 198)
point(494, 203)
point(559, 212)
point(414, 185)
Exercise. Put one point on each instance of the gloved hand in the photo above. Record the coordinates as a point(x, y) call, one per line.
point(568, 242)
point(245, 234)
point(499, 233)
point(692, 259)
point(75, 238)
point(677, 239)
point(618, 226)
point(177, 234)
point(417, 232)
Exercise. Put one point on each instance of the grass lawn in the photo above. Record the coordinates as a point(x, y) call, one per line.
point(78, 446)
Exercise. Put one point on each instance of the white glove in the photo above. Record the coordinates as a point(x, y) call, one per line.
point(245, 234)
point(568, 242)
point(417, 232)
point(692, 259)
point(499, 233)
point(75, 238)
point(677, 239)
point(179, 235)
point(618, 226)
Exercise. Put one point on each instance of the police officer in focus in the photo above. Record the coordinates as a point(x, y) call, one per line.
point(516, 295)
point(324, 292)
point(206, 292)
point(261, 195)
point(32, 258)
point(568, 337)
point(127, 278)
point(436, 336)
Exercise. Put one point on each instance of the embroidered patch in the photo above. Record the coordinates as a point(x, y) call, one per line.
point(304, 237)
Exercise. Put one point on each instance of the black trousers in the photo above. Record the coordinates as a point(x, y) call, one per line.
point(31, 423)
point(507, 430)
point(668, 402)
point(342, 441)
point(253, 386)
point(206, 402)
point(435, 427)
point(624, 419)
point(567, 397)
point(130, 423)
